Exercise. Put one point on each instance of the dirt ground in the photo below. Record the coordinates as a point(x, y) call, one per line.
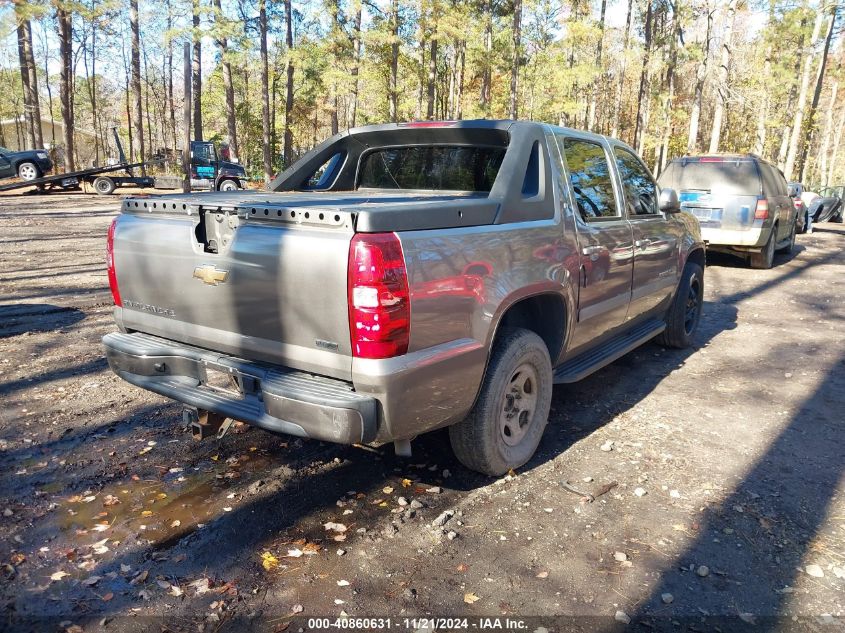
point(728, 458)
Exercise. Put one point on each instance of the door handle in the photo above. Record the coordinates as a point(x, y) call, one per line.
point(643, 244)
point(592, 250)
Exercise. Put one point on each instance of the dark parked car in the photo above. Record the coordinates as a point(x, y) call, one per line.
point(27, 164)
point(741, 201)
point(802, 212)
point(829, 207)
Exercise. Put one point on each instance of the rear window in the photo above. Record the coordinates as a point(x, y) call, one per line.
point(446, 168)
point(733, 177)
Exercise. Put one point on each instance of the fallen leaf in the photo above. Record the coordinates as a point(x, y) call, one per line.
point(108, 596)
point(462, 567)
point(470, 598)
point(144, 594)
point(335, 527)
point(201, 586)
point(297, 608)
point(89, 498)
point(179, 558)
point(140, 577)
point(176, 523)
point(163, 584)
point(268, 561)
point(175, 591)
point(101, 527)
point(387, 490)
point(110, 500)
point(294, 553)
point(214, 458)
point(18, 558)
point(383, 504)
point(147, 513)
point(75, 499)
point(125, 569)
point(342, 583)
point(543, 574)
point(311, 548)
point(58, 575)
point(406, 483)
point(93, 580)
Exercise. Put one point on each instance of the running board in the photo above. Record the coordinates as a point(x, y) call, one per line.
point(585, 364)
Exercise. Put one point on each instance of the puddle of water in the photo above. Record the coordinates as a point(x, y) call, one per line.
point(158, 511)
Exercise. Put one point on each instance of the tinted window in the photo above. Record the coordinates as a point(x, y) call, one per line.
point(733, 177)
point(431, 168)
point(589, 175)
point(324, 176)
point(637, 183)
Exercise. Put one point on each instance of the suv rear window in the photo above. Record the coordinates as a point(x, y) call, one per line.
point(432, 167)
point(733, 177)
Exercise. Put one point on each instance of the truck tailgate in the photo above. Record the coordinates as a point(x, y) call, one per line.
point(260, 281)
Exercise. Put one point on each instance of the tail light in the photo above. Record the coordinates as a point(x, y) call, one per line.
point(762, 210)
point(797, 204)
point(115, 291)
point(379, 303)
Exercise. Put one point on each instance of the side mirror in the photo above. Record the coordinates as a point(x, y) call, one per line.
point(669, 202)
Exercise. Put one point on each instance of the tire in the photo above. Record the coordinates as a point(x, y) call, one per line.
point(791, 244)
point(28, 171)
point(684, 314)
point(498, 435)
point(764, 259)
point(104, 185)
point(228, 185)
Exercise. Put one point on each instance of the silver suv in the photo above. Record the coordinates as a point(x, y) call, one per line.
point(741, 201)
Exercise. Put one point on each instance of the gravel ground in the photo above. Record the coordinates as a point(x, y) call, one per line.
point(727, 460)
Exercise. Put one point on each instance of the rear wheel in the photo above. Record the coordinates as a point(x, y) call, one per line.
point(28, 171)
point(104, 185)
point(766, 257)
point(228, 185)
point(685, 312)
point(504, 428)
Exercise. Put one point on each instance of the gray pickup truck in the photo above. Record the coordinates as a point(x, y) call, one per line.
point(402, 278)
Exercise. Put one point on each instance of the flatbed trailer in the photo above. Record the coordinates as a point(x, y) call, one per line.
point(101, 178)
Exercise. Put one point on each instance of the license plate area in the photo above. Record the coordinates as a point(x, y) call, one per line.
point(223, 380)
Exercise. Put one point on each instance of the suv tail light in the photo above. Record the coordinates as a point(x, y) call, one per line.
point(379, 303)
point(797, 203)
point(115, 291)
point(762, 210)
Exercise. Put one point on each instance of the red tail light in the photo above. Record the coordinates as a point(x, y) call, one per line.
point(379, 303)
point(797, 203)
point(115, 291)
point(762, 210)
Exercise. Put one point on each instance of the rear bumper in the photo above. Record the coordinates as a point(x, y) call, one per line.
point(752, 238)
point(272, 398)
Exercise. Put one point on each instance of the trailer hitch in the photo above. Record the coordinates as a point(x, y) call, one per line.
point(204, 423)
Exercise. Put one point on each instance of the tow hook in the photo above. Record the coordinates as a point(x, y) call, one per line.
point(204, 423)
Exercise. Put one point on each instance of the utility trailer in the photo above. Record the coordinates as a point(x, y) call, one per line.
point(103, 179)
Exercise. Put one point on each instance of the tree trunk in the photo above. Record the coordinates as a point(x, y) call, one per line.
point(228, 86)
point(828, 130)
point(487, 68)
point(816, 95)
point(763, 113)
point(790, 102)
point(265, 92)
point(137, 113)
point(356, 56)
point(724, 72)
point(29, 79)
point(639, 129)
point(432, 73)
point(617, 102)
point(834, 154)
point(66, 81)
point(196, 70)
point(663, 154)
point(393, 92)
point(288, 140)
point(517, 49)
point(171, 109)
point(798, 121)
point(700, 78)
point(459, 97)
point(594, 91)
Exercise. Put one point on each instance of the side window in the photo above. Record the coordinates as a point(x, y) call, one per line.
point(783, 187)
point(589, 176)
point(637, 183)
point(770, 183)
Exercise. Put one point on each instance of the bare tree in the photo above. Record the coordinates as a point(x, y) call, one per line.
point(29, 78)
point(135, 62)
point(639, 129)
point(196, 70)
point(700, 78)
point(265, 92)
point(65, 32)
point(617, 102)
point(724, 74)
point(798, 120)
point(289, 70)
point(228, 86)
point(517, 49)
point(393, 92)
point(356, 59)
